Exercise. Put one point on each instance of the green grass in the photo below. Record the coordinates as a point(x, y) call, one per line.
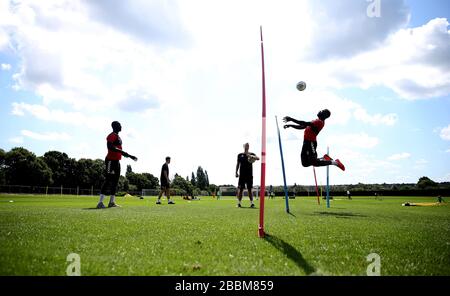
point(210, 237)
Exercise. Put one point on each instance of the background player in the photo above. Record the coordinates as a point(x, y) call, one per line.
point(165, 183)
point(245, 175)
point(112, 165)
point(312, 129)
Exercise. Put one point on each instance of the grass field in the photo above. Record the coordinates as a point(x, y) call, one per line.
point(210, 237)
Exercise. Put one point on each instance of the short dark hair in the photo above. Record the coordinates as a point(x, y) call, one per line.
point(167, 158)
point(115, 124)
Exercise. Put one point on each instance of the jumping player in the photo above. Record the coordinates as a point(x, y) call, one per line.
point(112, 165)
point(165, 183)
point(245, 174)
point(312, 129)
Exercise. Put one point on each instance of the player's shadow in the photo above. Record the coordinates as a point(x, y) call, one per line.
point(290, 252)
point(344, 215)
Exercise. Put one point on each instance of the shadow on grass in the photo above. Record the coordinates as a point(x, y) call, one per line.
point(340, 215)
point(290, 252)
point(291, 214)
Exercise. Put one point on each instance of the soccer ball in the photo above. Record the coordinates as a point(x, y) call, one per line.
point(251, 159)
point(301, 86)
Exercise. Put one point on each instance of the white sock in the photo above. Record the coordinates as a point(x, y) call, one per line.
point(102, 197)
point(112, 199)
point(334, 162)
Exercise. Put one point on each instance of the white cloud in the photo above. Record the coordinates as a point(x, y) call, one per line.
point(47, 136)
point(343, 28)
point(377, 119)
point(16, 140)
point(360, 140)
point(445, 133)
point(421, 161)
point(399, 156)
point(5, 67)
point(412, 62)
point(59, 116)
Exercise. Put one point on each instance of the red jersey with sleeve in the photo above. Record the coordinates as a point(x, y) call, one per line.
point(311, 132)
point(115, 140)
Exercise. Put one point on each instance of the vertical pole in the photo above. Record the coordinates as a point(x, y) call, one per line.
point(61, 190)
point(317, 189)
point(328, 181)
point(263, 145)
point(78, 190)
point(92, 190)
point(282, 167)
point(46, 190)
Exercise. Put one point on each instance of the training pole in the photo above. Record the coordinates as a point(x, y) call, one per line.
point(328, 180)
point(317, 189)
point(282, 167)
point(262, 192)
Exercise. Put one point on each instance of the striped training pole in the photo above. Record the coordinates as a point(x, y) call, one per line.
point(282, 167)
point(317, 189)
point(262, 192)
point(328, 180)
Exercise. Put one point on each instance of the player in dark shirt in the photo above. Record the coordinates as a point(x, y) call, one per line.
point(245, 168)
point(312, 129)
point(165, 183)
point(112, 165)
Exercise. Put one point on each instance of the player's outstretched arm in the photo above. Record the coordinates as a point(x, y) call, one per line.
point(299, 122)
point(115, 149)
point(296, 126)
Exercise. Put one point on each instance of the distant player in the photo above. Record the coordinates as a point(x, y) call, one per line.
point(112, 165)
point(165, 183)
point(245, 174)
point(349, 195)
point(312, 129)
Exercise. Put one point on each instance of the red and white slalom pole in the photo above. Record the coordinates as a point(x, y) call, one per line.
point(262, 192)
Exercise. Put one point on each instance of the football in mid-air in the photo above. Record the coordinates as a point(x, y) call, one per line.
point(301, 86)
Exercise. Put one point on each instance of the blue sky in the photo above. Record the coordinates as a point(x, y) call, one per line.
point(184, 79)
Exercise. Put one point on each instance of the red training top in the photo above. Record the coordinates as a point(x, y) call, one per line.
point(115, 140)
point(310, 135)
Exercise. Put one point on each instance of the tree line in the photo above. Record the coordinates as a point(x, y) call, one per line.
point(20, 166)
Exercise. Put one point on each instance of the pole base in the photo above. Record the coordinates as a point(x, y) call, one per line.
point(261, 233)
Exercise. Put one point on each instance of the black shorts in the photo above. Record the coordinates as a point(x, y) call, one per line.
point(309, 153)
point(245, 181)
point(165, 184)
point(112, 175)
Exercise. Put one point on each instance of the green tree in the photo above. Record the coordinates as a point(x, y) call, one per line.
point(425, 182)
point(63, 168)
point(193, 180)
point(129, 169)
point(153, 181)
point(123, 184)
point(201, 179)
point(2, 166)
point(207, 179)
point(22, 167)
point(179, 182)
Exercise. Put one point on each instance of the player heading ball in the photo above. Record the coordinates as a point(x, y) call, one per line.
point(112, 165)
point(309, 149)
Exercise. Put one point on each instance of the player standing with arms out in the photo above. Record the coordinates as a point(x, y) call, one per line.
point(245, 168)
point(165, 183)
point(312, 129)
point(112, 165)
